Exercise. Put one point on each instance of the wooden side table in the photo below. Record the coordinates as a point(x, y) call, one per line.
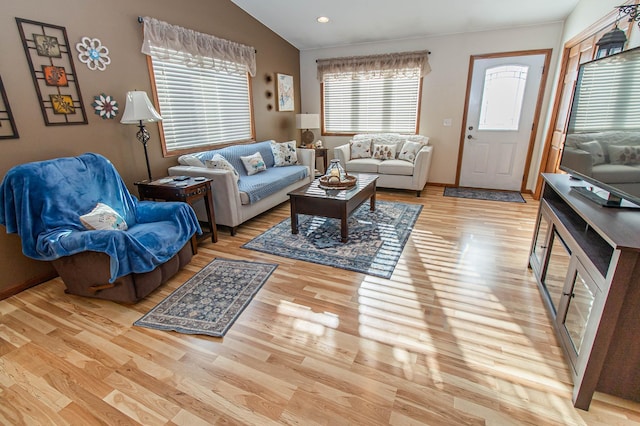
point(322, 153)
point(187, 191)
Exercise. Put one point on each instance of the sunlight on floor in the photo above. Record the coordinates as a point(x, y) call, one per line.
point(390, 313)
point(458, 312)
point(307, 321)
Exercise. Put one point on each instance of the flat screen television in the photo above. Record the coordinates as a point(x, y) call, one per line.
point(602, 145)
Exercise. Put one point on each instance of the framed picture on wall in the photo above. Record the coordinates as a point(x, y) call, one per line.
point(284, 90)
point(8, 128)
point(54, 75)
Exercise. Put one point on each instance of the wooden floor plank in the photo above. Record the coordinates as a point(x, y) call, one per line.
point(458, 335)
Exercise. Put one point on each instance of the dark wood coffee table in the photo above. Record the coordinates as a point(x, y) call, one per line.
point(338, 204)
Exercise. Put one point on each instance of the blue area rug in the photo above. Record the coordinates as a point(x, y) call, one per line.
point(210, 301)
point(376, 239)
point(484, 194)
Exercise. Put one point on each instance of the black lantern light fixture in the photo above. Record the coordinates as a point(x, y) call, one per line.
point(610, 43)
point(613, 41)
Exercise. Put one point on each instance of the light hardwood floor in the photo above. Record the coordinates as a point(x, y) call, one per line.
point(457, 336)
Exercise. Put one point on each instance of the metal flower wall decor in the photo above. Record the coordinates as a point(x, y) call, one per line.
point(105, 106)
point(93, 53)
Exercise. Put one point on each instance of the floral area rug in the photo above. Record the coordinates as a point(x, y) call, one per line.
point(210, 301)
point(376, 239)
point(484, 194)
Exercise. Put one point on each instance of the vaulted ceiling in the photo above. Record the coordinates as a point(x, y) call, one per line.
point(366, 21)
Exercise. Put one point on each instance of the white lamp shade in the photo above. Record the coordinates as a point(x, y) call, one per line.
point(307, 121)
point(139, 107)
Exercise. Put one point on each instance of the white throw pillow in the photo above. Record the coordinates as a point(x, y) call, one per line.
point(595, 149)
point(102, 218)
point(384, 152)
point(253, 163)
point(284, 153)
point(624, 154)
point(190, 160)
point(360, 149)
point(409, 151)
point(220, 163)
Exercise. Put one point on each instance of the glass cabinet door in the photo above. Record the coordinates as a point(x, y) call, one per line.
point(581, 296)
point(539, 248)
point(556, 270)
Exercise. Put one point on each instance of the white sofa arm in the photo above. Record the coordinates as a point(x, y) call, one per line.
point(307, 157)
point(342, 153)
point(421, 166)
point(578, 160)
point(224, 186)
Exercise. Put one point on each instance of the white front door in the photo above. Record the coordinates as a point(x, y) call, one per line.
point(502, 102)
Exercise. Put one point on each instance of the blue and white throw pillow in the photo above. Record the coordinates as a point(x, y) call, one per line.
point(284, 153)
point(103, 218)
point(220, 163)
point(253, 163)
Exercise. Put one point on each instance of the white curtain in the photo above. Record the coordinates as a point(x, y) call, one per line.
point(406, 64)
point(164, 39)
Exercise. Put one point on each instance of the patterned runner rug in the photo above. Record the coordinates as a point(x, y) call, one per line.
point(376, 239)
point(210, 301)
point(484, 194)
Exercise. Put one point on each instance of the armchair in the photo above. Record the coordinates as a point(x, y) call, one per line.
point(42, 202)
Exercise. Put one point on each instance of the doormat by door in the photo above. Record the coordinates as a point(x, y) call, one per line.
point(484, 194)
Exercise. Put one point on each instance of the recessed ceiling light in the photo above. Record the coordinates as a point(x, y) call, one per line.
point(322, 19)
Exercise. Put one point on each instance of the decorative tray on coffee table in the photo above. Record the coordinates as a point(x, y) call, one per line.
point(345, 183)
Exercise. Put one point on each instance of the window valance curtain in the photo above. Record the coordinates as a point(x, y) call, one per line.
point(405, 64)
point(199, 47)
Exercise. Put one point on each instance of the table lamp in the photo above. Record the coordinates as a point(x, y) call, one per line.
point(307, 121)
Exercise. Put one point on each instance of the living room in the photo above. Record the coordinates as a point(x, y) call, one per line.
point(233, 394)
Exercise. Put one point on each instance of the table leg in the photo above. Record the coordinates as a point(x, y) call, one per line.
point(372, 201)
point(344, 227)
point(208, 203)
point(294, 216)
point(194, 244)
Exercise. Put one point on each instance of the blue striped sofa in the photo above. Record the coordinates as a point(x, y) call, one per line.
point(236, 201)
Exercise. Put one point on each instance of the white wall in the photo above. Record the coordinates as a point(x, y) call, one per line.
point(586, 13)
point(443, 92)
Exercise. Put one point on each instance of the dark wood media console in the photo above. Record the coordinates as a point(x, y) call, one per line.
point(586, 259)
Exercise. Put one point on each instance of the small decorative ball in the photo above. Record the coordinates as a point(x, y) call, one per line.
point(333, 180)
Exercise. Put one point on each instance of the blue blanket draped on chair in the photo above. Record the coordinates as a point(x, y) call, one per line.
point(42, 202)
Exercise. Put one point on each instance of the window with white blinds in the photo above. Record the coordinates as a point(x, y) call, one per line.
point(382, 104)
point(200, 106)
point(607, 94)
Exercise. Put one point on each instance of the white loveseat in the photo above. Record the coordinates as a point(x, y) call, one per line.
point(392, 172)
point(238, 200)
point(603, 156)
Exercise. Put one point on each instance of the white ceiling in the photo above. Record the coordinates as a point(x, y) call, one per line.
point(364, 21)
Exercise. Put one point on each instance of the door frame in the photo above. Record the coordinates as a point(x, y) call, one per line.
point(536, 115)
